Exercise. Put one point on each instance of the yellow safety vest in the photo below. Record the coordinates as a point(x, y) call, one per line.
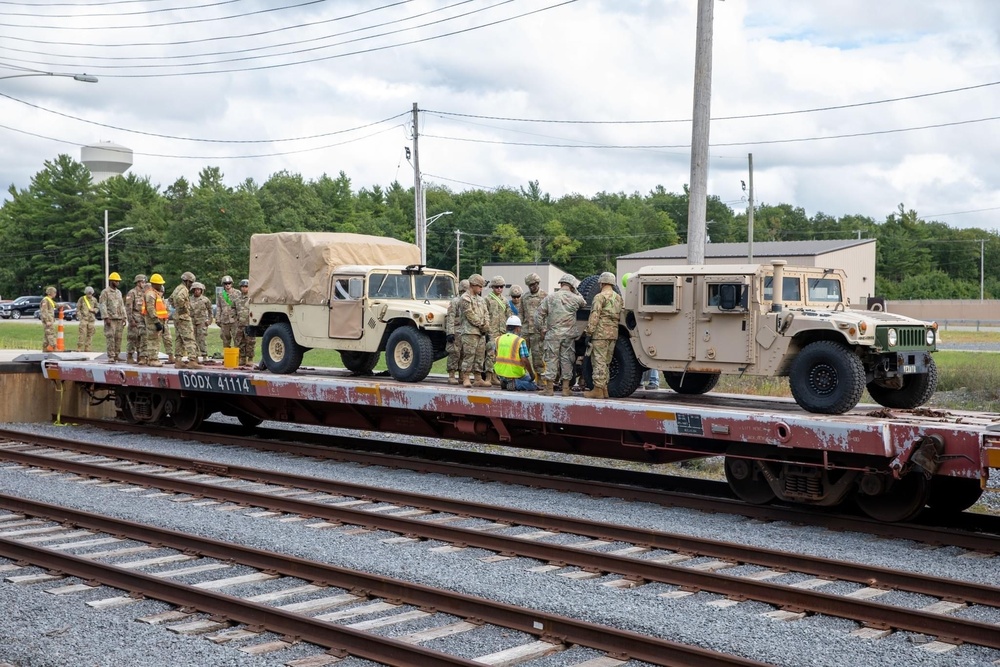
point(508, 363)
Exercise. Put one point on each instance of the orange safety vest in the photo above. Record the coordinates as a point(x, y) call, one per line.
point(508, 364)
point(161, 308)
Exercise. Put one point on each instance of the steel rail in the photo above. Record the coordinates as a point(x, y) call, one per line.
point(821, 567)
point(783, 596)
point(604, 638)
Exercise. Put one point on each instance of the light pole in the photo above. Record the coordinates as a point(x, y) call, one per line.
point(108, 237)
point(423, 237)
point(85, 78)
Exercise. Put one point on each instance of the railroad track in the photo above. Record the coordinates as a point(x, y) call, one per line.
point(976, 532)
point(647, 556)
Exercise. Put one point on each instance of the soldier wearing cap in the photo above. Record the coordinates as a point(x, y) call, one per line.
point(47, 313)
point(112, 308)
point(201, 318)
point(515, 300)
point(454, 336)
point(555, 321)
point(225, 311)
point(602, 328)
point(86, 307)
point(242, 339)
point(513, 361)
point(185, 349)
point(529, 306)
point(136, 350)
point(474, 322)
point(499, 313)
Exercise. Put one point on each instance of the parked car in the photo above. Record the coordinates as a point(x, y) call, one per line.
point(69, 311)
point(22, 306)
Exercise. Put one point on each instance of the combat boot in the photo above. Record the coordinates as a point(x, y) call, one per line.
point(494, 380)
point(451, 378)
point(181, 363)
point(594, 393)
point(142, 361)
point(156, 363)
point(480, 382)
point(604, 391)
point(546, 387)
point(192, 363)
point(468, 381)
point(170, 358)
point(567, 390)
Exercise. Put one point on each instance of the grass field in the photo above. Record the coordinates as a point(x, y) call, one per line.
point(967, 380)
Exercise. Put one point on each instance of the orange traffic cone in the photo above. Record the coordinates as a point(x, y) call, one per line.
point(60, 336)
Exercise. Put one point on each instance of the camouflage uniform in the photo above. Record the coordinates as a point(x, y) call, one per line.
point(113, 313)
point(603, 331)
point(499, 311)
point(85, 307)
point(185, 347)
point(529, 306)
point(201, 317)
point(246, 343)
point(452, 329)
point(555, 321)
point(473, 318)
point(152, 352)
point(136, 324)
point(225, 314)
point(48, 315)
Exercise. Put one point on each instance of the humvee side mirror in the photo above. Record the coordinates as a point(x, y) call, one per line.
point(729, 296)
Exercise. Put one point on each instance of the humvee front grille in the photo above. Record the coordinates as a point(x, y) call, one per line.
point(906, 338)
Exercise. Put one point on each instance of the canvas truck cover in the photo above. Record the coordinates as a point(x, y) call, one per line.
point(295, 267)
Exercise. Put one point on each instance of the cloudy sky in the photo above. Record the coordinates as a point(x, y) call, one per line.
point(848, 106)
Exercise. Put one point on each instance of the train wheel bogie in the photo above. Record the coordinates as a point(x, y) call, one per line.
point(187, 414)
point(746, 479)
point(885, 498)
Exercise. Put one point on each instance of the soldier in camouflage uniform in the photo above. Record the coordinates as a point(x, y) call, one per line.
point(529, 306)
point(136, 350)
point(602, 327)
point(185, 349)
point(555, 321)
point(154, 314)
point(47, 312)
point(201, 318)
point(86, 306)
point(473, 318)
point(113, 314)
point(499, 311)
point(225, 311)
point(454, 335)
point(244, 341)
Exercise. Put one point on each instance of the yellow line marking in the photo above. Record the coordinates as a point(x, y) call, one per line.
point(666, 416)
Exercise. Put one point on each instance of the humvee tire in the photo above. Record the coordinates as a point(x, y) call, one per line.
point(691, 383)
point(409, 354)
point(279, 351)
point(827, 378)
point(359, 363)
point(917, 390)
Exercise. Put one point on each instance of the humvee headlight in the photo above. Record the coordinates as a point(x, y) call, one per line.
point(862, 326)
point(891, 337)
point(430, 317)
point(930, 336)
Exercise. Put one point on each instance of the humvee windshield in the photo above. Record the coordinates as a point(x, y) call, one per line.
point(791, 288)
point(824, 289)
point(434, 286)
point(389, 286)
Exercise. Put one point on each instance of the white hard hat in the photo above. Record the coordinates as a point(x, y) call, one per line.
point(513, 321)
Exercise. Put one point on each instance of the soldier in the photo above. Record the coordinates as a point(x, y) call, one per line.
point(112, 308)
point(155, 315)
point(136, 350)
point(474, 322)
point(201, 318)
point(86, 307)
point(529, 306)
point(499, 311)
point(515, 300)
point(243, 340)
point(453, 335)
point(555, 321)
point(185, 347)
point(225, 311)
point(602, 328)
point(48, 314)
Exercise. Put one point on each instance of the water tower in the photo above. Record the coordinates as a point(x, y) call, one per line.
point(106, 159)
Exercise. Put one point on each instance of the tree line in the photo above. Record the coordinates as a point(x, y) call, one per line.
point(51, 233)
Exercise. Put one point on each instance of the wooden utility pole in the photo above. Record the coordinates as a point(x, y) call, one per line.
point(698, 190)
point(420, 214)
point(458, 255)
point(750, 213)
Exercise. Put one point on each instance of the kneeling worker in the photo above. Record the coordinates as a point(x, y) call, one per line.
point(513, 364)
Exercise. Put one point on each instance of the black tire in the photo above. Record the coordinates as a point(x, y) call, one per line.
point(359, 363)
point(827, 378)
point(917, 390)
point(624, 373)
point(279, 351)
point(16, 314)
point(409, 354)
point(249, 420)
point(691, 383)
point(589, 287)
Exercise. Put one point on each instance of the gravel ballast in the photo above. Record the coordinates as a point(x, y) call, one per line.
point(41, 629)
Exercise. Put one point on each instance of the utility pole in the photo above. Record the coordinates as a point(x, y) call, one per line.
point(701, 118)
point(420, 214)
point(458, 255)
point(750, 214)
point(982, 267)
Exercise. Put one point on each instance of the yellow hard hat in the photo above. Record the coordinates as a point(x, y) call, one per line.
point(156, 279)
point(114, 276)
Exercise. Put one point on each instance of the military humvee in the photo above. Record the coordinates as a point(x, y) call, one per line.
point(695, 323)
point(358, 294)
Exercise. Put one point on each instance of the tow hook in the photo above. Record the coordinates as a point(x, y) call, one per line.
point(924, 453)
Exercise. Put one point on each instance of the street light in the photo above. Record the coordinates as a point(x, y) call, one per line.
point(85, 78)
point(423, 237)
point(108, 237)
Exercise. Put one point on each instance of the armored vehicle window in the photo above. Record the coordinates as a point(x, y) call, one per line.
point(389, 286)
point(824, 289)
point(726, 296)
point(791, 288)
point(347, 289)
point(658, 295)
point(434, 286)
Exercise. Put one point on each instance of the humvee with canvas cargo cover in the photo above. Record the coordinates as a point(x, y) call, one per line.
point(357, 294)
point(695, 323)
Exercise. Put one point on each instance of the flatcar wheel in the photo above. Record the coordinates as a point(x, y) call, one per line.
point(189, 416)
point(954, 494)
point(902, 500)
point(249, 420)
point(747, 482)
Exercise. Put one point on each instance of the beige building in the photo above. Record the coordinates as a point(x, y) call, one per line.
point(856, 257)
point(514, 274)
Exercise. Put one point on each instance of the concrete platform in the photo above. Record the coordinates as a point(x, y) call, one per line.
point(26, 396)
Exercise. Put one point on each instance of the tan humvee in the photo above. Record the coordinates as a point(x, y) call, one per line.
point(358, 294)
point(695, 323)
